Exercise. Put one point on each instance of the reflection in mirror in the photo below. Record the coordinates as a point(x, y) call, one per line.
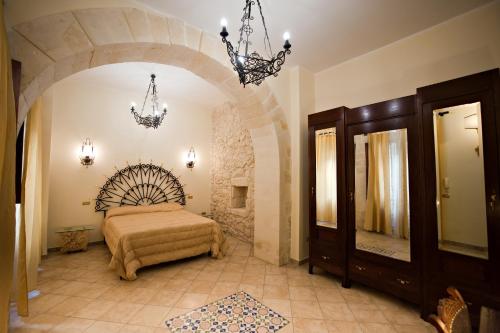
point(460, 194)
point(326, 177)
point(381, 193)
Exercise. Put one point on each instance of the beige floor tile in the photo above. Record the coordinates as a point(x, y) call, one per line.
point(332, 295)
point(208, 276)
point(299, 281)
point(117, 293)
point(336, 311)
point(225, 288)
point(104, 327)
point(238, 259)
point(356, 296)
point(69, 306)
point(230, 277)
point(141, 295)
point(324, 281)
point(121, 312)
point(94, 291)
point(187, 274)
point(303, 325)
point(283, 307)
point(72, 325)
point(253, 279)
point(177, 284)
point(306, 309)
point(367, 313)
point(253, 290)
point(73, 288)
point(165, 298)
point(95, 309)
point(403, 317)
point(149, 315)
point(276, 292)
point(136, 329)
point(422, 328)
point(201, 287)
point(255, 270)
point(340, 326)
point(302, 293)
point(276, 280)
point(44, 322)
point(44, 303)
point(275, 270)
point(235, 268)
point(48, 285)
point(191, 300)
point(174, 312)
point(377, 328)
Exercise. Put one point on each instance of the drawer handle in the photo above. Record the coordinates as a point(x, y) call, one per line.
point(325, 258)
point(360, 268)
point(403, 282)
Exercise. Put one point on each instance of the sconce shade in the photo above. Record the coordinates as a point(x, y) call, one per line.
point(87, 155)
point(191, 158)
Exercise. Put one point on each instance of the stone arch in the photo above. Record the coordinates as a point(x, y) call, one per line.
point(55, 46)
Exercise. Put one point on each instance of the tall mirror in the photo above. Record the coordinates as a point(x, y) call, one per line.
point(460, 189)
point(382, 193)
point(326, 177)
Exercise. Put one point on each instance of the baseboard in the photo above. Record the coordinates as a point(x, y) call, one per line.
point(57, 249)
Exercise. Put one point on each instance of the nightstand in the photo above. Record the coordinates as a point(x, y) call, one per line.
point(74, 238)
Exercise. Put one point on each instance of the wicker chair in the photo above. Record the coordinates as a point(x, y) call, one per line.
point(453, 315)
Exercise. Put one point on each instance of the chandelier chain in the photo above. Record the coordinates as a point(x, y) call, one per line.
point(266, 37)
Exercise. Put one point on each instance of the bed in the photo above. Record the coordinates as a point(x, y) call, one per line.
point(146, 224)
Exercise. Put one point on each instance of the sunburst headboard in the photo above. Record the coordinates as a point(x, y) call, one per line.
point(140, 184)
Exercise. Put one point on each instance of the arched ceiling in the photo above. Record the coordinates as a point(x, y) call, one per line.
point(173, 82)
point(324, 32)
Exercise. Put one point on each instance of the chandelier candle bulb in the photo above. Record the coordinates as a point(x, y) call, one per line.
point(223, 22)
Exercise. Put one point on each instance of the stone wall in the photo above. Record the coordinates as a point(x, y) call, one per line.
point(232, 173)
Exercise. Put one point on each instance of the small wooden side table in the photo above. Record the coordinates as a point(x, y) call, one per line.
point(74, 238)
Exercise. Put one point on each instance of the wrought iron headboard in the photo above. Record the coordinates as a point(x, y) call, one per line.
point(140, 184)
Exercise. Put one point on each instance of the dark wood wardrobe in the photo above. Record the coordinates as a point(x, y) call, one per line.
point(404, 193)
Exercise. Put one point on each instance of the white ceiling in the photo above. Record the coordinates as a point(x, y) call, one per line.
point(324, 32)
point(173, 83)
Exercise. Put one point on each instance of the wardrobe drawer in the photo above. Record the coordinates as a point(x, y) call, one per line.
point(404, 285)
point(364, 270)
point(325, 256)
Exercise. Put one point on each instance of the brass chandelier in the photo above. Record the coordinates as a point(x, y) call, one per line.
point(251, 66)
point(155, 118)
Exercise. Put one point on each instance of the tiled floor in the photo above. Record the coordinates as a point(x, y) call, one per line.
point(80, 294)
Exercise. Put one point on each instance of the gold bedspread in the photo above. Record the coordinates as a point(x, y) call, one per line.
point(143, 236)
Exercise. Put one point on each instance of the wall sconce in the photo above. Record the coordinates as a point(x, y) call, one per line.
point(87, 155)
point(191, 158)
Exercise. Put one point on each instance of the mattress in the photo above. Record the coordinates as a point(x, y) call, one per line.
point(147, 235)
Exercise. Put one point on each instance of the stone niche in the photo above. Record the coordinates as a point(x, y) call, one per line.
point(232, 172)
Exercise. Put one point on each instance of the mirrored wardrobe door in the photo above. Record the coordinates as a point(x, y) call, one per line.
point(381, 193)
point(326, 177)
point(461, 201)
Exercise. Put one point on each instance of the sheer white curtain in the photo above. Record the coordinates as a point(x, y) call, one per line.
point(30, 228)
point(387, 205)
point(7, 175)
point(326, 177)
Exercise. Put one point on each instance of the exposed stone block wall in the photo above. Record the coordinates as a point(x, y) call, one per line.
point(233, 165)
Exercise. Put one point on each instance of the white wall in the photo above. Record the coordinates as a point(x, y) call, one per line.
point(84, 109)
point(461, 46)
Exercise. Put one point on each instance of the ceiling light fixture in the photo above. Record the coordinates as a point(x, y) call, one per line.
point(251, 66)
point(156, 117)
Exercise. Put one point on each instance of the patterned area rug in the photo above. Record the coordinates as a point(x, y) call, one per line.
point(238, 312)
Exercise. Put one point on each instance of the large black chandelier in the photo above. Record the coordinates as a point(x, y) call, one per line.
point(251, 66)
point(156, 116)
